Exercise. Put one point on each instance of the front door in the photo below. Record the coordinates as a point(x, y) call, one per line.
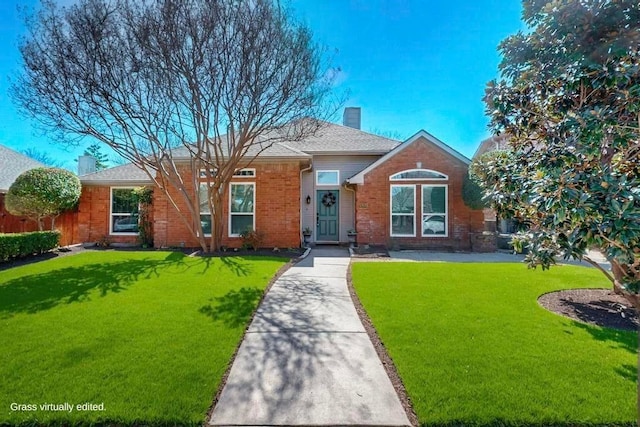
point(327, 202)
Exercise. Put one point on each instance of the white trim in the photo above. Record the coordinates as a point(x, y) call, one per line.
point(359, 177)
point(391, 214)
point(252, 175)
point(445, 214)
point(230, 214)
point(111, 214)
point(337, 183)
point(443, 178)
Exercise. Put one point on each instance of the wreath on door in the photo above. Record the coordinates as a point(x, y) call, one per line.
point(329, 199)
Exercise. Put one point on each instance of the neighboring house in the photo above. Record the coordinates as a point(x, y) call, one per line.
point(12, 164)
point(398, 194)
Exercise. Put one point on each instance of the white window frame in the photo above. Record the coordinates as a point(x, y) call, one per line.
point(391, 214)
point(204, 185)
point(445, 214)
point(252, 173)
point(443, 178)
point(111, 214)
point(231, 214)
point(337, 183)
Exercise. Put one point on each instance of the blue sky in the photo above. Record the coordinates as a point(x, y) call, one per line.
point(408, 64)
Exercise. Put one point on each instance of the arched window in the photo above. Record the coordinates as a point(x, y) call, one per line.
point(418, 174)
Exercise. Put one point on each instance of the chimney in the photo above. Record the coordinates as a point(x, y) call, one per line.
point(86, 165)
point(351, 117)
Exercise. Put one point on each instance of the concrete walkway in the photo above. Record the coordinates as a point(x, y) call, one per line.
point(306, 358)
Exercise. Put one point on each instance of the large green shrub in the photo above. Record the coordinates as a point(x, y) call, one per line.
point(18, 245)
point(43, 192)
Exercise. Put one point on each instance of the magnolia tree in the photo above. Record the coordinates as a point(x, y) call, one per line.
point(222, 80)
point(43, 193)
point(569, 101)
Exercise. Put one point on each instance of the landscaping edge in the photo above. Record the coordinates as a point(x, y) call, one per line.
point(225, 376)
point(383, 355)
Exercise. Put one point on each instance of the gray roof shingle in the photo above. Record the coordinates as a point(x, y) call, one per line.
point(12, 164)
point(125, 174)
point(337, 139)
point(330, 139)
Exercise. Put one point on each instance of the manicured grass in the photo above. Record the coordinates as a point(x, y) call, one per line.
point(147, 334)
point(473, 347)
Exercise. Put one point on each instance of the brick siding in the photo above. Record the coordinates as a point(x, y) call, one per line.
point(373, 200)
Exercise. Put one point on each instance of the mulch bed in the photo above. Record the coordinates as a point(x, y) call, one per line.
point(600, 307)
point(291, 253)
point(368, 251)
point(56, 253)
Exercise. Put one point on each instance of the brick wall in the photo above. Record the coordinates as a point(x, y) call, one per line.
point(277, 209)
point(94, 216)
point(373, 200)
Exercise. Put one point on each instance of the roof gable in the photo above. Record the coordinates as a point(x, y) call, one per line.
point(12, 164)
point(419, 136)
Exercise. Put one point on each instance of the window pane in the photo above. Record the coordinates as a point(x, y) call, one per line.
point(402, 224)
point(245, 172)
point(433, 224)
point(402, 199)
point(240, 223)
point(433, 199)
point(242, 198)
point(327, 178)
point(418, 174)
point(124, 201)
point(124, 223)
point(205, 220)
point(204, 202)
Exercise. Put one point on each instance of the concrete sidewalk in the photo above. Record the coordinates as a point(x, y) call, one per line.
point(306, 358)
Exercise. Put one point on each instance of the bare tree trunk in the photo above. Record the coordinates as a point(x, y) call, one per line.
point(217, 217)
point(624, 273)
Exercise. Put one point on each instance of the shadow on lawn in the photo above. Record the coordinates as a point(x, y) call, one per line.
point(234, 308)
point(626, 340)
point(37, 292)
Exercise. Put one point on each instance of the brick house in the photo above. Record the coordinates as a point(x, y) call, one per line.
point(399, 194)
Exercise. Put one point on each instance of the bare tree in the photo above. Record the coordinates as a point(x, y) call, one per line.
point(43, 157)
point(187, 90)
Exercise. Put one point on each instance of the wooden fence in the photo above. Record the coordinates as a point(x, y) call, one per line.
point(66, 223)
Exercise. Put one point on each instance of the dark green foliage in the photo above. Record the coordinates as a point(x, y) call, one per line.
point(144, 197)
point(472, 194)
point(18, 245)
point(569, 101)
point(43, 192)
point(102, 160)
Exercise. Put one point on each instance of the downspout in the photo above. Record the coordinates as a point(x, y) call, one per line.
point(346, 187)
point(300, 228)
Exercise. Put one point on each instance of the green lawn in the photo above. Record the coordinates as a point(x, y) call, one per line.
point(473, 347)
point(147, 334)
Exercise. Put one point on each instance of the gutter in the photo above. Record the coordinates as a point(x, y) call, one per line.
point(300, 227)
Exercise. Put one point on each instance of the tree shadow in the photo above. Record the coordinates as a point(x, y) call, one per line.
point(234, 308)
point(604, 313)
point(37, 292)
point(626, 340)
point(238, 265)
